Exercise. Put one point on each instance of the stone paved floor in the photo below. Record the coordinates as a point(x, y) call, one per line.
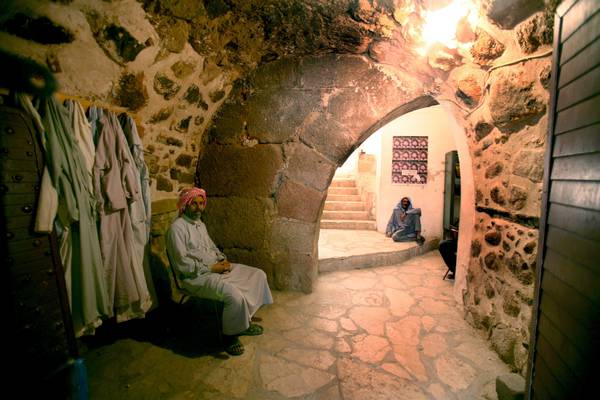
point(383, 333)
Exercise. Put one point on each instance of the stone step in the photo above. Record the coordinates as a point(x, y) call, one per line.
point(343, 197)
point(342, 190)
point(366, 225)
point(343, 183)
point(353, 215)
point(344, 206)
point(404, 253)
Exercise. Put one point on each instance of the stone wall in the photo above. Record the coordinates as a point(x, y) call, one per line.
point(506, 129)
point(366, 174)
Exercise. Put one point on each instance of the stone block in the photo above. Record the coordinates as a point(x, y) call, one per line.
point(274, 115)
point(510, 387)
point(131, 92)
point(534, 33)
point(377, 100)
point(295, 271)
point(299, 202)
point(239, 171)
point(529, 164)
point(513, 100)
point(173, 33)
point(330, 70)
point(486, 48)
point(327, 136)
point(308, 167)
point(503, 342)
point(293, 236)
point(228, 124)
point(508, 13)
point(164, 206)
point(238, 221)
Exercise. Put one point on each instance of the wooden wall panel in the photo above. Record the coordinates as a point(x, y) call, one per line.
point(566, 322)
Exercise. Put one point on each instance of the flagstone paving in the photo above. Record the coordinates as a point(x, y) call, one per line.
point(382, 333)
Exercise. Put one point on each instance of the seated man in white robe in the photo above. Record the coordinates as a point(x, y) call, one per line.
point(203, 270)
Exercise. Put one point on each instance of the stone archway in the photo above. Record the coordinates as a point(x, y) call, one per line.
point(274, 148)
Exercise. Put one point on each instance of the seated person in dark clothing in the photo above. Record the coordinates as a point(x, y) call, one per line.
point(448, 250)
point(405, 223)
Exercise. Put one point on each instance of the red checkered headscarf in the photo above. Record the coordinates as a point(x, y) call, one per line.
point(187, 195)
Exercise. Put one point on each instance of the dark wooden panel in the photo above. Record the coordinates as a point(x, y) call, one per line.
point(580, 278)
point(577, 220)
point(579, 249)
point(577, 15)
point(577, 194)
point(566, 324)
point(580, 115)
point(580, 89)
point(580, 141)
point(558, 366)
point(552, 388)
point(569, 353)
point(580, 64)
point(578, 306)
point(584, 36)
point(582, 167)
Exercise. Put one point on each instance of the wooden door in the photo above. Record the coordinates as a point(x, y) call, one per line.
point(566, 325)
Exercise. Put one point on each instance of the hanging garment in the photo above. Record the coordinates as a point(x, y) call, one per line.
point(140, 210)
point(80, 251)
point(137, 152)
point(83, 135)
point(116, 187)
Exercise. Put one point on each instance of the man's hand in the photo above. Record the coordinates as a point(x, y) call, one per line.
point(221, 267)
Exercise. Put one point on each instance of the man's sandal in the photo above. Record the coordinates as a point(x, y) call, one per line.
point(236, 348)
point(253, 330)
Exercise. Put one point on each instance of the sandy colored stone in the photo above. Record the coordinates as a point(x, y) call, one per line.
point(478, 352)
point(433, 306)
point(400, 301)
point(433, 344)
point(371, 319)
point(369, 348)
point(331, 393)
point(394, 282)
point(437, 391)
point(404, 331)
point(279, 319)
point(289, 379)
point(328, 311)
point(454, 372)
point(427, 322)
point(342, 346)
point(347, 324)
point(319, 359)
point(309, 338)
point(358, 283)
point(396, 370)
point(368, 298)
point(323, 324)
point(409, 357)
point(358, 382)
point(448, 324)
point(233, 378)
point(410, 280)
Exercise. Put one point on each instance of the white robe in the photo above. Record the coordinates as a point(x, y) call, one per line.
point(243, 290)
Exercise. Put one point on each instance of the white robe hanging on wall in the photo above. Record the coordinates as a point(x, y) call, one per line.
point(116, 187)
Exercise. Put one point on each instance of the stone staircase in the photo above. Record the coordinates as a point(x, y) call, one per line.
point(344, 208)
